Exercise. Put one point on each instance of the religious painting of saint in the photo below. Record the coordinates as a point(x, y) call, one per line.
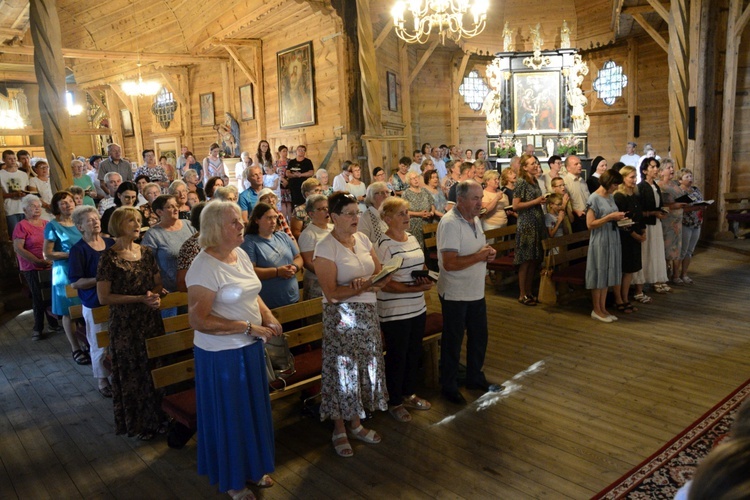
point(536, 102)
point(296, 86)
point(207, 109)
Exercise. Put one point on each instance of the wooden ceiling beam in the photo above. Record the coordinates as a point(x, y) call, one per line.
point(249, 73)
point(423, 60)
point(651, 31)
point(659, 9)
point(238, 42)
point(118, 55)
point(18, 76)
point(10, 33)
point(642, 9)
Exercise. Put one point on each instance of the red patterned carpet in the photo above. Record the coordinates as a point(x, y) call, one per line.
point(664, 472)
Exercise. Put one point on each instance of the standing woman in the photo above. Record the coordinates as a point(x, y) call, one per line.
point(43, 188)
point(598, 167)
point(356, 187)
point(322, 175)
point(192, 180)
point(179, 190)
point(212, 184)
point(300, 218)
point(213, 165)
point(240, 171)
point(494, 202)
point(84, 260)
point(263, 156)
point(128, 281)
point(631, 238)
point(28, 243)
point(286, 194)
point(275, 257)
point(319, 226)
point(345, 261)
point(399, 180)
point(192, 164)
point(231, 322)
point(171, 172)
point(150, 192)
point(454, 175)
point(59, 236)
point(83, 181)
point(402, 311)
point(370, 222)
point(654, 265)
point(692, 220)
point(527, 202)
point(421, 206)
point(166, 238)
point(125, 196)
point(604, 258)
point(672, 224)
point(431, 180)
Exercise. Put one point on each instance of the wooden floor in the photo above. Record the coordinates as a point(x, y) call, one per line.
point(589, 400)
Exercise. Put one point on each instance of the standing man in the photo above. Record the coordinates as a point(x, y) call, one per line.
point(437, 160)
point(24, 162)
point(114, 163)
point(578, 191)
point(529, 150)
point(94, 162)
point(463, 254)
point(112, 181)
point(466, 172)
point(630, 158)
point(13, 181)
point(416, 163)
point(555, 164)
point(298, 169)
point(182, 160)
point(249, 197)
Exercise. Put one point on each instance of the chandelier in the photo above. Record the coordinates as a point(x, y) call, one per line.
point(140, 88)
point(414, 20)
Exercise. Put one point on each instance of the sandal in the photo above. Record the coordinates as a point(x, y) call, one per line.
point(400, 413)
point(629, 307)
point(343, 449)
point(81, 357)
point(687, 280)
point(416, 403)
point(642, 298)
point(369, 437)
point(265, 482)
point(527, 301)
point(625, 307)
point(245, 494)
point(146, 436)
point(106, 391)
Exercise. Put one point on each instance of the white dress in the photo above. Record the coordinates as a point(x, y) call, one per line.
point(654, 264)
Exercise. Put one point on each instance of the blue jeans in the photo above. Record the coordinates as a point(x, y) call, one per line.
point(460, 315)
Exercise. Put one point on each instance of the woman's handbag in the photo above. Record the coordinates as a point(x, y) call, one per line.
point(279, 359)
point(547, 289)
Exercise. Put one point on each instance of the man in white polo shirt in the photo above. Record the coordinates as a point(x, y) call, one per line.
point(463, 254)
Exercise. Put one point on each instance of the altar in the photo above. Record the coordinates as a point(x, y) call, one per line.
point(536, 98)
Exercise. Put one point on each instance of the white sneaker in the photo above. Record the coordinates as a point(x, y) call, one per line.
point(608, 319)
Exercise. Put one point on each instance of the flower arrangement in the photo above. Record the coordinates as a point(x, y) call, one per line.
point(505, 147)
point(568, 145)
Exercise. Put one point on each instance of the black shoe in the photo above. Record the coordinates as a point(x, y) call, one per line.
point(486, 387)
point(454, 397)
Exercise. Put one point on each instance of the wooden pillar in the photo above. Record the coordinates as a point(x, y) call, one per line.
point(137, 130)
point(370, 86)
point(632, 87)
point(700, 95)
point(403, 62)
point(186, 114)
point(226, 90)
point(50, 75)
point(260, 93)
point(735, 25)
point(678, 61)
point(457, 74)
point(115, 122)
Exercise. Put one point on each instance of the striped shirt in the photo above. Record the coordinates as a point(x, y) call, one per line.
point(398, 306)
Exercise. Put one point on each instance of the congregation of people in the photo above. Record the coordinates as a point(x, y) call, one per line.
point(126, 237)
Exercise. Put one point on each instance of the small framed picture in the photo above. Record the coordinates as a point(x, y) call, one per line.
point(392, 91)
point(127, 123)
point(207, 109)
point(247, 109)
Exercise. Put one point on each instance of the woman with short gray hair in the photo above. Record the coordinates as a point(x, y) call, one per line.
point(319, 226)
point(370, 222)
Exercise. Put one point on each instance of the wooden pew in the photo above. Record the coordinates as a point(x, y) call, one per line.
point(737, 206)
point(568, 265)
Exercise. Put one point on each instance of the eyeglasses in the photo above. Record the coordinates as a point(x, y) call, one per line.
point(321, 209)
point(351, 214)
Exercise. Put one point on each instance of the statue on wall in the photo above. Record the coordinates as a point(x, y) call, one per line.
point(508, 45)
point(536, 37)
point(492, 107)
point(575, 96)
point(229, 136)
point(564, 36)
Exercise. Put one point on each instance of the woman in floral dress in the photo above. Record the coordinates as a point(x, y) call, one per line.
point(530, 230)
point(128, 280)
point(672, 224)
point(421, 206)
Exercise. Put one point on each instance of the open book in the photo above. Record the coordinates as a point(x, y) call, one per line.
point(389, 268)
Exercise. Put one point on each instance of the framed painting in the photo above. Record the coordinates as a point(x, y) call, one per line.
point(296, 86)
point(207, 109)
point(392, 91)
point(127, 123)
point(247, 109)
point(536, 101)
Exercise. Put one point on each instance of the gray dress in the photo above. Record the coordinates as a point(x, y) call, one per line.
point(604, 261)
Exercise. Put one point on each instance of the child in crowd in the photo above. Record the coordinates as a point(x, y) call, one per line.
point(555, 215)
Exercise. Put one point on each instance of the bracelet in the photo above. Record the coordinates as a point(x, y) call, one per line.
point(249, 328)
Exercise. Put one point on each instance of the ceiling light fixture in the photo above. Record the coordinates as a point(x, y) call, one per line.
point(454, 19)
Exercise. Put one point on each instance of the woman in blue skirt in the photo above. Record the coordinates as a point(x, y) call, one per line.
point(231, 322)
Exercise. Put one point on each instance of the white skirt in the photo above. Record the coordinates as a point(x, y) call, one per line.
point(654, 263)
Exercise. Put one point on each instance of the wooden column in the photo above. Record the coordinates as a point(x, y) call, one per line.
point(226, 90)
point(186, 114)
point(115, 122)
point(632, 87)
point(260, 92)
point(137, 130)
point(678, 61)
point(736, 21)
point(370, 85)
point(457, 74)
point(50, 75)
point(403, 62)
point(702, 67)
